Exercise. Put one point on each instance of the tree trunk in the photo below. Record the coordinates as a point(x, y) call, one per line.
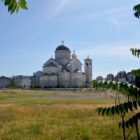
point(137, 130)
point(123, 127)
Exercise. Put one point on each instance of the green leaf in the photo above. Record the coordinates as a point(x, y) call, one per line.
point(103, 111)
point(6, 2)
point(135, 104)
point(136, 72)
point(137, 10)
point(139, 103)
point(108, 111)
point(10, 7)
point(17, 9)
point(120, 125)
point(127, 125)
point(99, 110)
point(14, 8)
point(14, 5)
point(113, 110)
point(22, 4)
point(117, 110)
point(130, 122)
point(125, 106)
point(138, 115)
point(130, 106)
point(135, 52)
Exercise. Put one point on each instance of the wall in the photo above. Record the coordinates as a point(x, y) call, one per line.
point(26, 83)
point(64, 79)
point(50, 70)
point(4, 82)
point(78, 80)
point(48, 81)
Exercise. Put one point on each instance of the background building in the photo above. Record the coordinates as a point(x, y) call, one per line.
point(4, 82)
point(22, 81)
point(99, 78)
point(121, 76)
point(35, 79)
point(130, 78)
point(110, 77)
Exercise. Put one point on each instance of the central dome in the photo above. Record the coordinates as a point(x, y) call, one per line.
point(62, 47)
point(62, 54)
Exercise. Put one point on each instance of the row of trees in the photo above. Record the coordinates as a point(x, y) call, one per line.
point(15, 86)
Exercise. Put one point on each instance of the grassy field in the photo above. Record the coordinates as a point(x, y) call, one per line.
point(56, 115)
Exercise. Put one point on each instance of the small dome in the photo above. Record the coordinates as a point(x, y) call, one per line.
point(62, 47)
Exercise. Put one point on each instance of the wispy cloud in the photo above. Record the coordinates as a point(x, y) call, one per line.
point(115, 12)
point(56, 8)
point(110, 58)
point(109, 51)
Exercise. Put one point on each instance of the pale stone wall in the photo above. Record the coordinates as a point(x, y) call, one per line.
point(84, 79)
point(48, 81)
point(50, 70)
point(17, 80)
point(35, 80)
point(78, 80)
point(88, 70)
point(64, 79)
point(59, 69)
point(4, 82)
point(62, 54)
point(63, 61)
point(26, 82)
point(75, 65)
point(22, 81)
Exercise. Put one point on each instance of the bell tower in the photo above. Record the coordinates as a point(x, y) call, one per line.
point(88, 71)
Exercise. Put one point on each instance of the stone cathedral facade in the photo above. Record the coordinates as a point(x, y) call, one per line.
point(65, 70)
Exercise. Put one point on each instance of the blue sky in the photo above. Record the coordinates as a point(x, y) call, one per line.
point(103, 29)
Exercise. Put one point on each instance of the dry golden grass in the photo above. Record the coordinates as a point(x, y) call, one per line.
point(52, 115)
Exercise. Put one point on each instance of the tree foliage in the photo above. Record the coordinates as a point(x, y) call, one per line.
point(122, 109)
point(35, 86)
point(130, 91)
point(135, 52)
point(137, 10)
point(136, 72)
point(14, 6)
point(13, 85)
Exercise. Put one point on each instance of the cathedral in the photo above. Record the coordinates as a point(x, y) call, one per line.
point(65, 70)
